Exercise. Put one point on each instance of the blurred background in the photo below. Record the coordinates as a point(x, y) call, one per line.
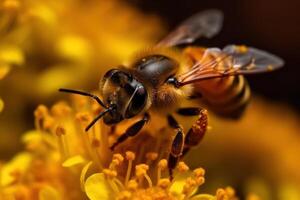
point(45, 45)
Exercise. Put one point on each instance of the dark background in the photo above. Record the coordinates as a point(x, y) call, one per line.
point(269, 24)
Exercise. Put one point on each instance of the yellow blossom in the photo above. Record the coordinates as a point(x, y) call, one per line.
point(62, 161)
point(62, 43)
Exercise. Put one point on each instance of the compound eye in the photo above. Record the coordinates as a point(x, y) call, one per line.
point(120, 78)
point(137, 103)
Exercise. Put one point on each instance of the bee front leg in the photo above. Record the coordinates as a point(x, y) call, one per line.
point(197, 132)
point(177, 145)
point(131, 131)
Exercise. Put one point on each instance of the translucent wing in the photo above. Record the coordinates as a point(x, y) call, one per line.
point(232, 60)
point(204, 24)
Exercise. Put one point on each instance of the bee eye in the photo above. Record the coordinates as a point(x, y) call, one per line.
point(120, 78)
point(137, 102)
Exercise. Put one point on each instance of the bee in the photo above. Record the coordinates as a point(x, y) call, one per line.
point(158, 80)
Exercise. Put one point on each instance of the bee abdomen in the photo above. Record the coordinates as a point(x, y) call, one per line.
point(227, 96)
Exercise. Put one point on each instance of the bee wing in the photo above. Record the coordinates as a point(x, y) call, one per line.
point(232, 60)
point(207, 23)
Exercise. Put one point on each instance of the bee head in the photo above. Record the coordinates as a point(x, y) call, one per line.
point(126, 94)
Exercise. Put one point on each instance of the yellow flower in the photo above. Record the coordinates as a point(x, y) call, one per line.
point(62, 43)
point(62, 161)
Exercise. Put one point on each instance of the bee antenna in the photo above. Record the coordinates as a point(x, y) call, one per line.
point(83, 94)
point(98, 117)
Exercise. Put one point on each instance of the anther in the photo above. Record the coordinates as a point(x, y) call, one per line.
point(130, 155)
point(132, 185)
point(151, 156)
point(163, 164)
point(182, 167)
point(164, 183)
point(199, 172)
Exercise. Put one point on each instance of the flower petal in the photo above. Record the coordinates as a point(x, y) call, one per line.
point(97, 187)
point(83, 174)
point(74, 160)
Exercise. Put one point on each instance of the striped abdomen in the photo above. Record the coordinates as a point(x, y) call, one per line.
point(227, 96)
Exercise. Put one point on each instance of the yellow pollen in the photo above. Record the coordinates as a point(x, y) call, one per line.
point(130, 155)
point(132, 185)
point(124, 195)
point(141, 169)
point(189, 186)
point(199, 172)
point(118, 157)
point(151, 156)
point(61, 109)
point(182, 167)
point(221, 194)
point(199, 180)
point(60, 132)
point(110, 173)
point(41, 111)
point(162, 164)
point(48, 123)
point(230, 191)
point(164, 183)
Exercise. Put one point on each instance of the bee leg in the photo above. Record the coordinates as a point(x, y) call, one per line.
point(197, 132)
point(177, 145)
point(131, 131)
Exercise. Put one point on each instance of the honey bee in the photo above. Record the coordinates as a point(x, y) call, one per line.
point(158, 79)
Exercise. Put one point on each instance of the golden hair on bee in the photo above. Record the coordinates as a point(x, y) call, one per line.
point(161, 77)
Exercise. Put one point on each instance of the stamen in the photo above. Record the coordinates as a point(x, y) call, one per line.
point(83, 119)
point(151, 156)
point(124, 195)
point(39, 114)
point(48, 123)
point(60, 131)
point(182, 167)
point(164, 183)
point(141, 171)
point(130, 156)
point(132, 185)
point(95, 145)
point(188, 187)
point(119, 183)
point(116, 160)
point(148, 179)
point(110, 173)
point(162, 165)
point(61, 110)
